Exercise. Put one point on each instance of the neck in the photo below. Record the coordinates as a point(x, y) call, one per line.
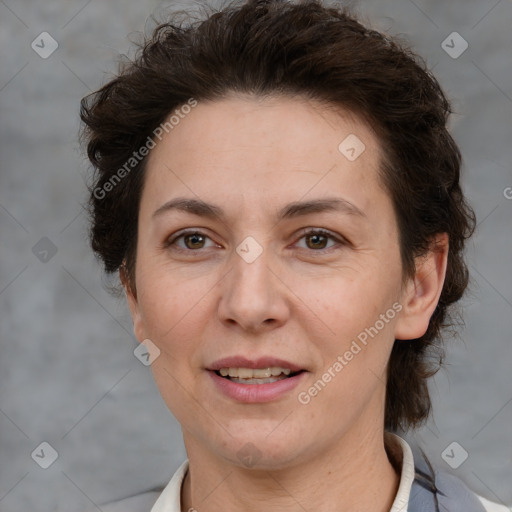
point(354, 475)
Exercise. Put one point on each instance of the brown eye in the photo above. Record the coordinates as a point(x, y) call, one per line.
point(194, 240)
point(316, 241)
point(190, 241)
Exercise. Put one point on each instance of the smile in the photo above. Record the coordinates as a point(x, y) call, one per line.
point(256, 390)
point(255, 375)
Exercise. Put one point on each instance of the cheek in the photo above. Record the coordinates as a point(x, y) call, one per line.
point(175, 323)
point(169, 300)
point(348, 305)
point(358, 318)
point(174, 314)
point(354, 359)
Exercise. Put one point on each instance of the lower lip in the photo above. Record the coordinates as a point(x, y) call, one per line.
point(254, 393)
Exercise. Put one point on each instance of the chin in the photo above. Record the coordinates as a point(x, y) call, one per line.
point(260, 452)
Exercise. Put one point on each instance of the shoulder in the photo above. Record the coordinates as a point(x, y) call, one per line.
point(490, 506)
point(139, 503)
point(452, 493)
point(157, 499)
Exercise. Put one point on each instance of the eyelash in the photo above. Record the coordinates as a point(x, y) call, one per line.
point(322, 232)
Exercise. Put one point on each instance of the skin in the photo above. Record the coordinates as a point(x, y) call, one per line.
point(304, 299)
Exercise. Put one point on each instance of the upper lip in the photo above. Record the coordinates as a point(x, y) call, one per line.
point(243, 362)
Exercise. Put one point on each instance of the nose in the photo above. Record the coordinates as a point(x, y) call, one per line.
point(253, 296)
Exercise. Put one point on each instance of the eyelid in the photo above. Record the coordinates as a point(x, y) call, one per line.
point(170, 241)
point(341, 240)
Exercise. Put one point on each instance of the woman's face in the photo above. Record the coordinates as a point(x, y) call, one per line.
point(258, 281)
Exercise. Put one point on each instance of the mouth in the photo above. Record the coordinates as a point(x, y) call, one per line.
point(256, 375)
point(255, 381)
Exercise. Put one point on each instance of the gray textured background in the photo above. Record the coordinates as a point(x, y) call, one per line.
point(68, 375)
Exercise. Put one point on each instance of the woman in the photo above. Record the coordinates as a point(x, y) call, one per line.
point(276, 186)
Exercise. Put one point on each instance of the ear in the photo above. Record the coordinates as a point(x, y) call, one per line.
point(421, 294)
point(131, 298)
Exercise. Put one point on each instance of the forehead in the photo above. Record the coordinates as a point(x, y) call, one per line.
point(252, 149)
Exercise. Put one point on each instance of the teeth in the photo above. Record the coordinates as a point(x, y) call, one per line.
point(258, 373)
point(257, 381)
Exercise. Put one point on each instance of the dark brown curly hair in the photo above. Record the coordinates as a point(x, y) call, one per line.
point(277, 47)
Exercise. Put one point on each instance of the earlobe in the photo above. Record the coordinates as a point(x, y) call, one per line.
point(133, 305)
point(421, 295)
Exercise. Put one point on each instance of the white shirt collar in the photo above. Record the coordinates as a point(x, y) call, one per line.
point(170, 499)
point(407, 475)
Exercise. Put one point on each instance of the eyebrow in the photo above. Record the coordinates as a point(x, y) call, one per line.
point(291, 210)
